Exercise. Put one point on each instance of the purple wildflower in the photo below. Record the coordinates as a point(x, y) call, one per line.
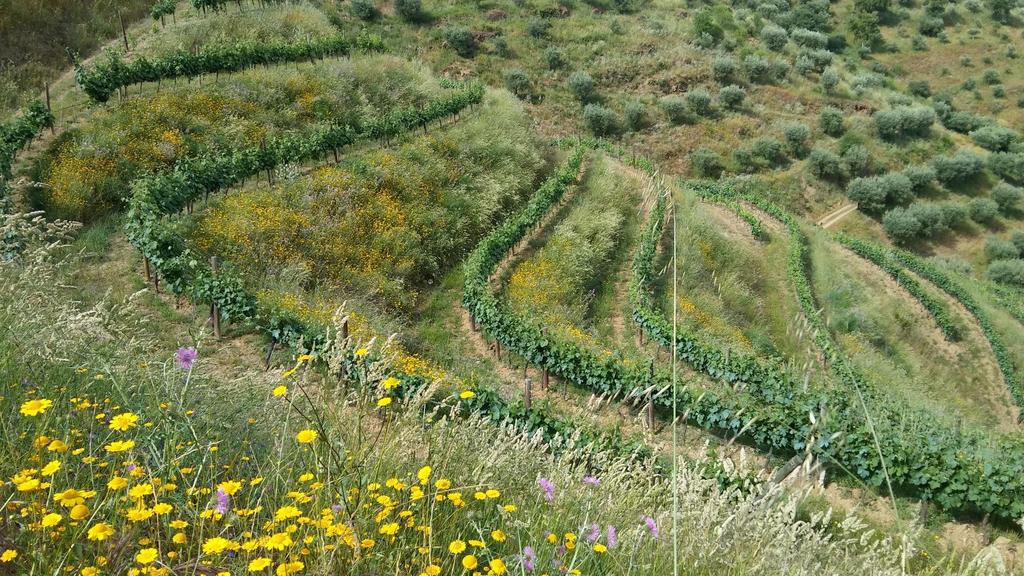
point(652, 526)
point(548, 488)
point(612, 536)
point(592, 480)
point(222, 502)
point(529, 559)
point(185, 357)
point(594, 534)
point(337, 508)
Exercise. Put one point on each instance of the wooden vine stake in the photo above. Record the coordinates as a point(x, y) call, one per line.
point(650, 396)
point(146, 261)
point(124, 33)
point(270, 352)
point(214, 312)
point(53, 129)
point(527, 393)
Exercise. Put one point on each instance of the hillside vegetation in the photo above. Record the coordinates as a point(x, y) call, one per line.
point(512, 286)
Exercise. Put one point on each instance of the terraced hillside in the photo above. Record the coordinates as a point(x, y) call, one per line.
point(775, 249)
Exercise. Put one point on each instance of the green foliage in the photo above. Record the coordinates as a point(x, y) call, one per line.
point(409, 10)
point(582, 86)
point(959, 168)
point(857, 159)
point(831, 121)
point(364, 10)
point(518, 82)
point(706, 163)
point(1008, 165)
point(460, 39)
point(554, 57)
point(881, 257)
point(102, 79)
point(874, 193)
point(863, 25)
point(705, 29)
point(808, 38)
point(698, 100)
point(920, 88)
point(904, 122)
point(825, 164)
point(829, 80)
point(16, 133)
point(921, 177)
point(538, 28)
point(999, 249)
point(983, 210)
point(901, 225)
point(636, 115)
point(731, 96)
point(723, 69)
point(1007, 196)
point(1007, 272)
point(774, 37)
point(601, 121)
point(798, 137)
point(163, 8)
point(995, 138)
point(675, 109)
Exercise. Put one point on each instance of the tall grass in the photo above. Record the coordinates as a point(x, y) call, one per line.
point(127, 459)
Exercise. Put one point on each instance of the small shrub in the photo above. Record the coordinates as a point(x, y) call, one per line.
point(921, 177)
point(873, 193)
point(409, 10)
point(797, 137)
point(675, 109)
point(538, 28)
point(723, 69)
point(758, 154)
point(706, 163)
point(1008, 165)
point(1007, 196)
point(824, 164)
point(829, 79)
point(999, 249)
point(461, 40)
point(1007, 272)
point(601, 121)
point(901, 225)
point(731, 96)
point(990, 77)
point(774, 37)
point(983, 210)
point(698, 101)
point(994, 138)
point(957, 169)
point(808, 38)
point(920, 88)
point(582, 86)
point(518, 82)
point(554, 57)
point(758, 69)
point(903, 122)
point(857, 159)
point(831, 121)
point(636, 115)
point(364, 9)
point(1017, 237)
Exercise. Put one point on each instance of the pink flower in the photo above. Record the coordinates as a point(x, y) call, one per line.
point(185, 357)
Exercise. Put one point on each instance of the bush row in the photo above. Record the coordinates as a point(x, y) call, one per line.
point(156, 196)
point(16, 134)
point(102, 79)
point(964, 472)
point(881, 257)
point(945, 283)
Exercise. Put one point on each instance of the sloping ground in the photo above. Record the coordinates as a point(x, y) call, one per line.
point(893, 340)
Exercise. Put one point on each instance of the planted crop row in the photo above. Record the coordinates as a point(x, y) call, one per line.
point(881, 257)
point(16, 134)
point(939, 278)
point(156, 196)
point(101, 80)
point(962, 471)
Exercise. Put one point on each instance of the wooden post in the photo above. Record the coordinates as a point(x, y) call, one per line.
point(923, 516)
point(214, 312)
point(527, 393)
point(472, 322)
point(124, 33)
point(344, 330)
point(146, 260)
point(497, 348)
point(546, 380)
point(53, 129)
point(641, 331)
point(156, 281)
point(270, 352)
point(650, 395)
